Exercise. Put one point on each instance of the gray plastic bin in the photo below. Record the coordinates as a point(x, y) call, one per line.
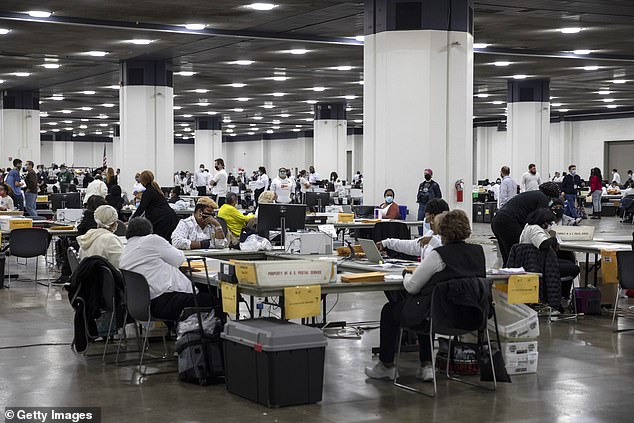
point(273, 362)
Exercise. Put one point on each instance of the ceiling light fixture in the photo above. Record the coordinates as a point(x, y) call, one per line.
point(238, 85)
point(258, 117)
point(4, 31)
point(51, 65)
point(261, 6)
point(21, 74)
point(581, 52)
point(570, 30)
point(242, 62)
point(619, 81)
point(185, 73)
point(360, 38)
point(242, 98)
point(285, 115)
point(612, 106)
point(279, 94)
point(86, 108)
point(563, 110)
point(88, 92)
point(608, 100)
point(195, 27)
point(298, 51)
point(140, 42)
point(187, 116)
point(519, 76)
point(480, 45)
point(604, 92)
point(555, 105)
point(114, 87)
point(201, 90)
point(108, 105)
point(66, 111)
point(311, 101)
point(238, 110)
point(103, 125)
point(590, 68)
point(498, 102)
point(501, 63)
point(268, 106)
point(202, 104)
point(482, 95)
point(344, 68)
point(39, 14)
point(280, 78)
point(56, 97)
point(276, 122)
point(269, 131)
point(296, 130)
point(350, 97)
point(212, 113)
point(97, 53)
point(319, 89)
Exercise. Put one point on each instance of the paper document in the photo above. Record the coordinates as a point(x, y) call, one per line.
point(328, 229)
point(507, 271)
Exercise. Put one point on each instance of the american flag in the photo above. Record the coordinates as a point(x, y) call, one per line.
point(105, 160)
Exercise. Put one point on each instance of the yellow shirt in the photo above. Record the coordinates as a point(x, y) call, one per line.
point(236, 221)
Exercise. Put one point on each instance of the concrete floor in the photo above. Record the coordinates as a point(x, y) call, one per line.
point(585, 372)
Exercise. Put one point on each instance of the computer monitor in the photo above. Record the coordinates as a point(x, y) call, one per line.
point(69, 200)
point(364, 211)
point(282, 217)
point(317, 201)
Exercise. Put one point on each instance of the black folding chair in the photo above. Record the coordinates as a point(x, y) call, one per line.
point(625, 266)
point(29, 243)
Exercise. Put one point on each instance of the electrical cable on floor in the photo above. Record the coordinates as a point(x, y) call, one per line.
point(35, 345)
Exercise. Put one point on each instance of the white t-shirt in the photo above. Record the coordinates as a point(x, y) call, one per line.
point(530, 182)
point(616, 177)
point(262, 182)
point(313, 178)
point(201, 178)
point(7, 203)
point(303, 182)
point(220, 178)
point(283, 189)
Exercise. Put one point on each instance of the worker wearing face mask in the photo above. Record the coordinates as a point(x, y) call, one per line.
point(570, 187)
point(282, 186)
point(389, 209)
point(427, 190)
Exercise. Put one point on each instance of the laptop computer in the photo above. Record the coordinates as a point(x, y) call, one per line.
point(373, 254)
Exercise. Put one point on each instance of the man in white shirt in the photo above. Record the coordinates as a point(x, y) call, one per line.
point(531, 180)
point(313, 177)
point(282, 187)
point(558, 178)
point(508, 187)
point(616, 177)
point(96, 187)
point(219, 183)
point(200, 230)
point(201, 180)
point(421, 246)
point(153, 257)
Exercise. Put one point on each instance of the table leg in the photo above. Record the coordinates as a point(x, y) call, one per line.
point(282, 311)
point(597, 263)
point(251, 306)
point(587, 269)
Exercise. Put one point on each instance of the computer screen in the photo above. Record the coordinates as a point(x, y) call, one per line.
point(270, 217)
point(69, 200)
point(313, 200)
point(364, 211)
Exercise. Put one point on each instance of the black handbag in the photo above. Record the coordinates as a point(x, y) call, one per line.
point(486, 367)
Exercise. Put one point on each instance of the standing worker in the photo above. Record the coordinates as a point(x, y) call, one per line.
point(219, 183)
point(201, 180)
point(282, 187)
point(570, 187)
point(531, 180)
point(508, 187)
point(427, 190)
point(14, 180)
point(508, 223)
point(596, 190)
point(261, 184)
point(30, 195)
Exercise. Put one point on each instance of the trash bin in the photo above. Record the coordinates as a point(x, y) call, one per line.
point(478, 212)
point(273, 362)
point(489, 210)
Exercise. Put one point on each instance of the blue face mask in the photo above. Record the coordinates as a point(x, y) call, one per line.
point(389, 199)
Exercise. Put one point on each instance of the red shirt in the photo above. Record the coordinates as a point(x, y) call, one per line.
point(595, 184)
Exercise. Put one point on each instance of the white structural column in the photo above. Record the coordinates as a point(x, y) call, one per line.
point(116, 148)
point(418, 108)
point(208, 141)
point(528, 127)
point(20, 127)
point(146, 102)
point(330, 140)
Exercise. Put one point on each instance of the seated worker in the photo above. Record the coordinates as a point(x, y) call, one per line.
point(175, 195)
point(614, 188)
point(562, 219)
point(6, 202)
point(96, 187)
point(102, 241)
point(538, 231)
point(628, 189)
point(421, 246)
point(236, 221)
point(200, 230)
point(453, 260)
point(389, 209)
point(115, 199)
point(153, 257)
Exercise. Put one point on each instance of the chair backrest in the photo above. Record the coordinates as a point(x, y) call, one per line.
point(121, 228)
point(625, 265)
point(223, 224)
point(29, 242)
point(457, 318)
point(73, 258)
point(385, 230)
point(137, 295)
point(107, 289)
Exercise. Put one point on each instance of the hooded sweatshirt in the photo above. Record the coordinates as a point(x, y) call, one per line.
point(100, 242)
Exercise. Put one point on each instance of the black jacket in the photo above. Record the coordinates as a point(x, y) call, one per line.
point(86, 297)
point(462, 303)
point(158, 211)
point(539, 261)
point(428, 190)
point(569, 182)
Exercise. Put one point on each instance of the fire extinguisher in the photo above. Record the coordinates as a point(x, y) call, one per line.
point(459, 190)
